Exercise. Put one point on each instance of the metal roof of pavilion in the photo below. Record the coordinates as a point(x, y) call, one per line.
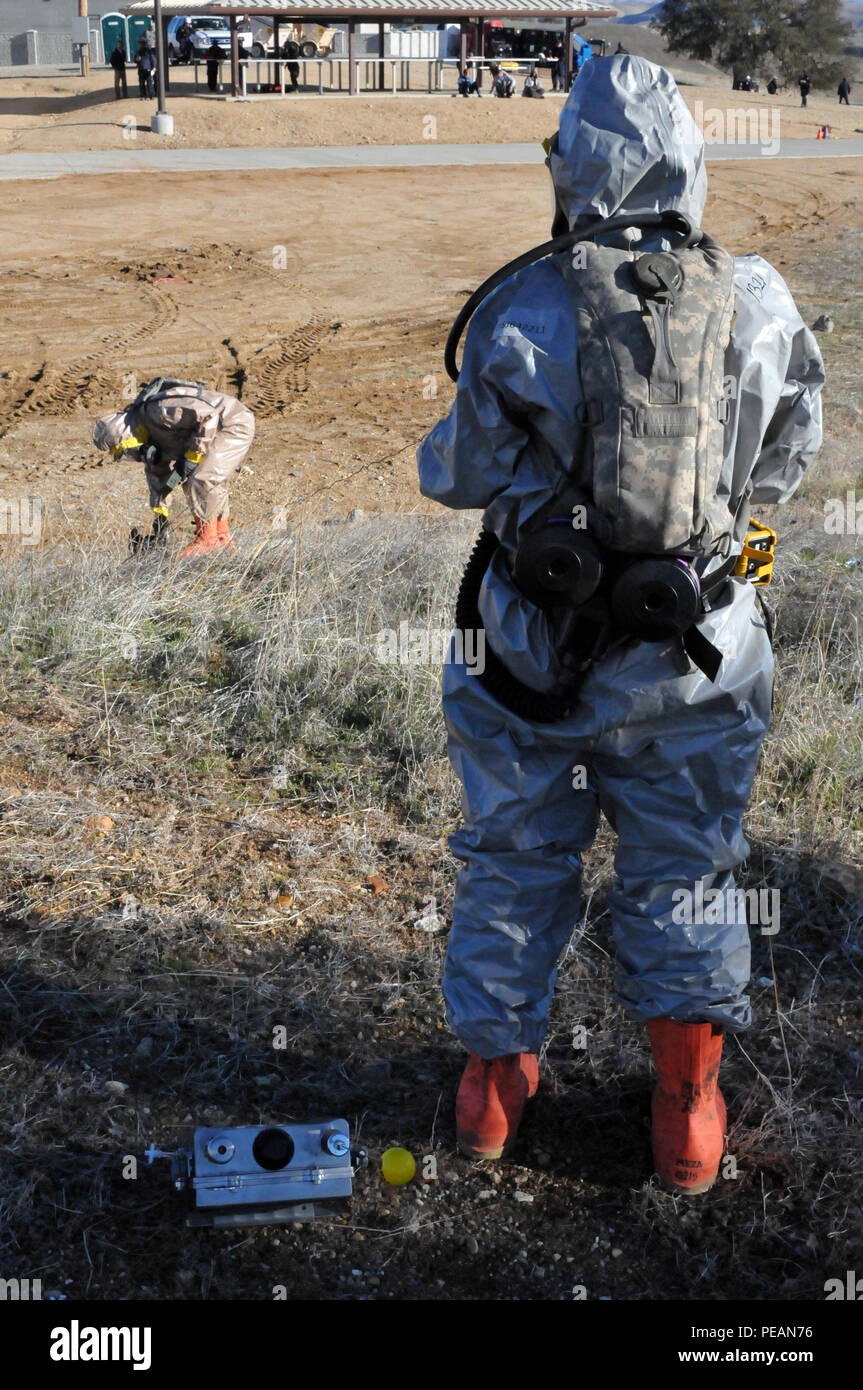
point(396, 9)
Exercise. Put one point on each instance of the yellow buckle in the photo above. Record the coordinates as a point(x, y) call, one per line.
point(132, 441)
point(755, 561)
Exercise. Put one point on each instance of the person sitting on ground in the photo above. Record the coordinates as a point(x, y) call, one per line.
point(502, 84)
point(467, 84)
point(532, 85)
point(773, 86)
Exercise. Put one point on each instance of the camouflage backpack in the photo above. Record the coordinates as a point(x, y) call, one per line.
point(652, 332)
point(626, 548)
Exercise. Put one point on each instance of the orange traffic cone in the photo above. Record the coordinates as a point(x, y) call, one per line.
point(491, 1100)
point(688, 1112)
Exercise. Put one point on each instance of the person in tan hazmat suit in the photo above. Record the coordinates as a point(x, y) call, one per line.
point(183, 434)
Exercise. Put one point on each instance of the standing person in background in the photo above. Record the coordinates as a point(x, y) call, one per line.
point(558, 69)
point(214, 57)
point(844, 91)
point(118, 63)
point(805, 88)
point(145, 62)
point(184, 42)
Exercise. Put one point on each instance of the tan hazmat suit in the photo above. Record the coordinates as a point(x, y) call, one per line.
point(214, 431)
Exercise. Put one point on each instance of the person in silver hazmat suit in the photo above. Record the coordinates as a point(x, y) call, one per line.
point(665, 753)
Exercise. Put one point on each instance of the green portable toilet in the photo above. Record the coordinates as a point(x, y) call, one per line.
point(139, 24)
point(114, 28)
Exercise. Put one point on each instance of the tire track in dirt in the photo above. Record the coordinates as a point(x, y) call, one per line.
point(272, 375)
point(87, 380)
point(277, 373)
point(268, 377)
point(15, 398)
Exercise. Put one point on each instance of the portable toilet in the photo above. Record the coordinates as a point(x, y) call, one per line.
point(139, 24)
point(114, 28)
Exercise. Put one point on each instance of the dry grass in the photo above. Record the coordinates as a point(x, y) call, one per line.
point(201, 768)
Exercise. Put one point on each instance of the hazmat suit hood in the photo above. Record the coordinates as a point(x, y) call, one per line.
point(110, 430)
point(626, 142)
point(117, 433)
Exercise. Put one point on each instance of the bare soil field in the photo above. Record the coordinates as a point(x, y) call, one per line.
point(337, 353)
point(167, 900)
point(70, 113)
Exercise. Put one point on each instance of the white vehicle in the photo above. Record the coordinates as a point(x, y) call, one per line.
point(205, 31)
point(296, 40)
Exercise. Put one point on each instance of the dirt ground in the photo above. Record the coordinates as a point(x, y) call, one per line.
point(339, 353)
point(67, 112)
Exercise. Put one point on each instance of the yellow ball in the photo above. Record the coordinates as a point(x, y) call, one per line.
point(397, 1166)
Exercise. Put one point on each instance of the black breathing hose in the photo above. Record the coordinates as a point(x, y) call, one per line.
point(528, 704)
point(671, 218)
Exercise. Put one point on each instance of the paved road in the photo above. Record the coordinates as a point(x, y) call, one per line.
point(134, 157)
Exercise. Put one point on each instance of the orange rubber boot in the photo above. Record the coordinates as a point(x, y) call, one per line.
point(491, 1100)
point(223, 531)
point(206, 539)
point(688, 1128)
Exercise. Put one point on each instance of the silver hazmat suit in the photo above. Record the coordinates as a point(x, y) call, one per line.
point(667, 755)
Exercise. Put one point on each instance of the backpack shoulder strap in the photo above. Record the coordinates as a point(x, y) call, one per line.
point(160, 386)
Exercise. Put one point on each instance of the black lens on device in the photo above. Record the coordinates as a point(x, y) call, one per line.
point(273, 1149)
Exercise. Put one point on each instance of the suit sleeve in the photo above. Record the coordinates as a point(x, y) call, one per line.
point(205, 431)
point(471, 455)
point(792, 436)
